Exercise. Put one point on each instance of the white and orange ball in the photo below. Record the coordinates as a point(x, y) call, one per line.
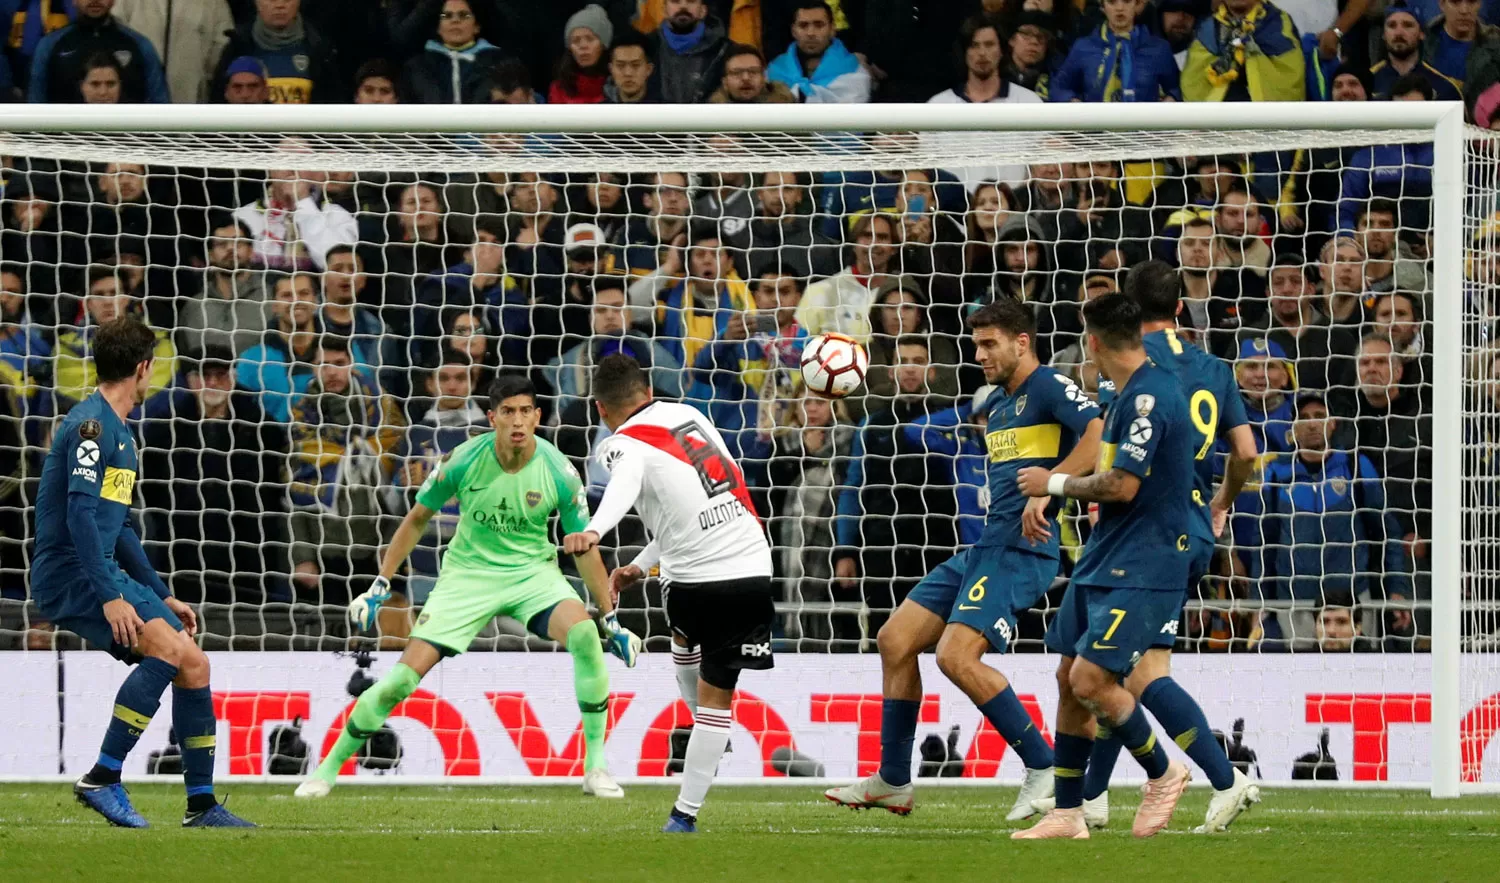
point(834, 365)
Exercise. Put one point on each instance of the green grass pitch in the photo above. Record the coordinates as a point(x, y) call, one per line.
point(745, 833)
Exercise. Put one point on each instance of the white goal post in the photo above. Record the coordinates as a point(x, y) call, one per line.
point(818, 138)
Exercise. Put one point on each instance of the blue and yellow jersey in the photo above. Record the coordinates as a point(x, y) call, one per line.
point(1144, 543)
point(1037, 426)
point(93, 453)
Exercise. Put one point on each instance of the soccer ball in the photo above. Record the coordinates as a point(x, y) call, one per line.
point(834, 365)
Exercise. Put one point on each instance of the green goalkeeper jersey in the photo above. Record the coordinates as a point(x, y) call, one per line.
point(502, 515)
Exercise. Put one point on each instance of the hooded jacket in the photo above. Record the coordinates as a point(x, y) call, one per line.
point(442, 75)
point(1102, 66)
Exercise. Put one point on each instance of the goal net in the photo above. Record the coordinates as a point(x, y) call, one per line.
point(332, 296)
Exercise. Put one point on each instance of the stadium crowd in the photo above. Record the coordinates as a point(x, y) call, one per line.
point(324, 339)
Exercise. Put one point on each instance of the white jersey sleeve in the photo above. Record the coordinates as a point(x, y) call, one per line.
point(674, 467)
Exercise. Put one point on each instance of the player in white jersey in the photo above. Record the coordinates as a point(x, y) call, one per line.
point(669, 462)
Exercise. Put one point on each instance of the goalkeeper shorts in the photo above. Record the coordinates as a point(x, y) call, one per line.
point(464, 601)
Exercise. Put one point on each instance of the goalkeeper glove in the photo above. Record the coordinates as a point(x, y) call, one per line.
point(366, 607)
point(622, 642)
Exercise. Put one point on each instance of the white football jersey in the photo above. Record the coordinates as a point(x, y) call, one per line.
point(671, 464)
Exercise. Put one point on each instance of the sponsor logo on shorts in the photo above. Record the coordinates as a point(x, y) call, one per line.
point(756, 649)
point(1002, 625)
point(1170, 628)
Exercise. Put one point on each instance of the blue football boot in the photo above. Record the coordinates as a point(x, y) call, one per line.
point(680, 823)
point(109, 801)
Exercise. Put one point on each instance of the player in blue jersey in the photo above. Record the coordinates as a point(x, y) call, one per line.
point(1036, 417)
point(1128, 583)
point(90, 575)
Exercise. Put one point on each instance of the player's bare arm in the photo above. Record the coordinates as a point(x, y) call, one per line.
point(1080, 461)
point(1241, 461)
point(1114, 486)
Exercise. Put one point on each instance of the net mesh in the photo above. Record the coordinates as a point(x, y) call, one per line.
point(274, 464)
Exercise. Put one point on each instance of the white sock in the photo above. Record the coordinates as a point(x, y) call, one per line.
point(687, 659)
point(705, 747)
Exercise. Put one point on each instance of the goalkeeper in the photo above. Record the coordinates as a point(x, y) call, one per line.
point(501, 560)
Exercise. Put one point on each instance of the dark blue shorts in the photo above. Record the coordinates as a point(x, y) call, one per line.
point(94, 628)
point(1120, 625)
point(1201, 556)
point(984, 587)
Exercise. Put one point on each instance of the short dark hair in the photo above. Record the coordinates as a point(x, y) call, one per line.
point(510, 75)
point(1156, 289)
point(632, 37)
point(1415, 81)
point(735, 50)
point(510, 385)
point(98, 272)
point(341, 248)
point(1006, 314)
point(17, 270)
point(1410, 297)
point(605, 282)
point(119, 346)
point(378, 67)
point(1197, 220)
point(800, 5)
point(914, 340)
point(334, 343)
point(451, 356)
point(98, 60)
point(493, 224)
point(1379, 206)
point(618, 379)
point(1115, 319)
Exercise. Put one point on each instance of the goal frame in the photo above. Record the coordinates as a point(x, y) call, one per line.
point(1444, 120)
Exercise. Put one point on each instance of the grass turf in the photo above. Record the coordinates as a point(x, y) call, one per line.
point(780, 833)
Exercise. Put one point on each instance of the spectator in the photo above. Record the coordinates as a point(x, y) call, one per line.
point(511, 84)
point(1177, 23)
point(63, 56)
point(1222, 66)
point(1389, 262)
point(73, 371)
point(120, 217)
point(610, 331)
point(538, 229)
point(781, 234)
point(1402, 39)
point(689, 51)
point(1456, 35)
point(1031, 45)
point(696, 311)
point(304, 67)
point(212, 489)
point(1074, 360)
point(28, 21)
point(375, 82)
point(745, 80)
point(810, 448)
point(991, 206)
point(653, 244)
point(1398, 315)
point(1343, 271)
point(744, 365)
point(582, 70)
point(1315, 350)
point(188, 38)
point(1267, 382)
point(906, 43)
point(293, 226)
point(1399, 172)
point(630, 72)
point(957, 435)
point(1122, 61)
point(1237, 226)
point(456, 67)
point(279, 367)
point(1027, 275)
point(1327, 517)
point(479, 282)
point(343, 316)
point(464, 331)
point(228, 309)
point(842, 302)
point(25, 347)
point(102, 76)
point(1391, 425)
point(344, 434)
point(601, 202)
point(724, 197)
point(817, 67)
point(245, 81)
point(892, 492)
point(455, 416)
point(1309, 195)
point(979, 45)
point(901, 310)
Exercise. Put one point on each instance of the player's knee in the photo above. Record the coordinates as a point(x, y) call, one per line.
point(1154, 666)
point(955, 660)
point(895, 644)
point(193, 669)
point(1065, 678)
point(1085, 682)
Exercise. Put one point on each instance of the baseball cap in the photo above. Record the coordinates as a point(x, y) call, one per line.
point(581, 236)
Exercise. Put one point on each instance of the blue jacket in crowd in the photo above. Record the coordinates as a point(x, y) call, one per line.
point(1104, 66)
point(1330, 530)
point(61, 58)
point(1402, 172)
point(951, 436)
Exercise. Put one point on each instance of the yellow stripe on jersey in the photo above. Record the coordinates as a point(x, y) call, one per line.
point(1024, 442)
point(1106, 456)
point(118, 485)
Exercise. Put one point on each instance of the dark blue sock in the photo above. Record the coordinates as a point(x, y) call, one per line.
point(1135, 733)
point(1183, 720)
point(197, 730)
point(1014, 725)
point(1072, 754)
point(898, 729)
point(135, 704)
point(1101, 763)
